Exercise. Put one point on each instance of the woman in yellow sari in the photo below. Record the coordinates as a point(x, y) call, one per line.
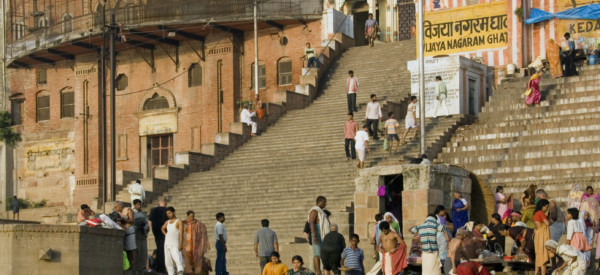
point(541, 234)
point(553, 57)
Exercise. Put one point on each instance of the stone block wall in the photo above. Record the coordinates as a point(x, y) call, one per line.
point(425, 187)
point(74, 249)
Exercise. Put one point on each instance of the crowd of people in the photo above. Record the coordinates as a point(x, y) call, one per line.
point(448, 241)
point(180, 244)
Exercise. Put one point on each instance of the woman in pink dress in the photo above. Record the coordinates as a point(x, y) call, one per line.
point(589, 193)
point(503, 204)
point(534, 84)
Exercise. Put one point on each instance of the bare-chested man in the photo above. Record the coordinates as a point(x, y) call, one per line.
point(126, 222)
point(393, 249)
point(319, 226)
point(454, 252)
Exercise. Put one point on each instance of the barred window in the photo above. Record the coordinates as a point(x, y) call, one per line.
point(67, 104)
point(42, 107)
point(41, 77)
point(195, 75)
point(156, 102)
point(284, 71)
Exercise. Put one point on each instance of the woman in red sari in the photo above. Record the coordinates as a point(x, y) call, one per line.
point(534, 84)
point(195, 245)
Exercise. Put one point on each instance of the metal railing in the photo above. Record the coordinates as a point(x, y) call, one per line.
point(166, 12)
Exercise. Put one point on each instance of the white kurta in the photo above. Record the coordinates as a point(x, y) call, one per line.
point(137, 192)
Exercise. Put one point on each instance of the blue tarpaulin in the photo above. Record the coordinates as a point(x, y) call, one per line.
point(590, 12)
point(538, 16)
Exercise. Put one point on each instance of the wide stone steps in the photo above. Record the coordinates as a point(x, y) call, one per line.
point(279, 174)
point(553, 145)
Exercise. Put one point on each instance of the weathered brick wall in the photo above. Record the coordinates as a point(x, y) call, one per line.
point(296, 101)
point(196, 108)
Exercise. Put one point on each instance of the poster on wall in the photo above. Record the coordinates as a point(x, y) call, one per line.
point(449, 69)
point(466, 29)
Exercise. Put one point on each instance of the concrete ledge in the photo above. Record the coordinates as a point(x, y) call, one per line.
point(71, 249)
point(124, 178)
point(308, 79)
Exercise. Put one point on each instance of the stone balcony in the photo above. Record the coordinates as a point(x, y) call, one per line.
point(142, 24)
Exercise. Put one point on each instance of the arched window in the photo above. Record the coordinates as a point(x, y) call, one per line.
point(18, 30)
point(262, 75)
point(122, 82)
point(41, 22)
point(16, 108)
point(284, 71)
point(67, 103)
point(156, 102)
point(42, 104)
point(67, 23)
point(195, 75)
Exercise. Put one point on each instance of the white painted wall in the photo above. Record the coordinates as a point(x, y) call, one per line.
point(451, 70)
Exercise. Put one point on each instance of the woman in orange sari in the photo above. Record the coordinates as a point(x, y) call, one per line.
point(553, 57)
point(195, 245)
point(541, 234)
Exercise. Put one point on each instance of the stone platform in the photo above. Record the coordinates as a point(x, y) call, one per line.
point(60, 249)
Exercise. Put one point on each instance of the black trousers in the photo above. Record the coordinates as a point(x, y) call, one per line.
point(372, 124)
point(350, 150)
point(570, 67)
point(159, 239)
point(352, 103)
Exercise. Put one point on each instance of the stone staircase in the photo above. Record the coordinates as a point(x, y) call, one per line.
point(279, 174)
point(439, 131)
point(552, 145)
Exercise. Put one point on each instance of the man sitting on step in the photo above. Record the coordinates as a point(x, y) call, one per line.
point(246, 118)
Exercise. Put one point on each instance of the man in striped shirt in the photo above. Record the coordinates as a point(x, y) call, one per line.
point(428, 236)
point(353, 257)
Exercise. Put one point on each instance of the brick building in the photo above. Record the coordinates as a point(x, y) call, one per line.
point(183, 69)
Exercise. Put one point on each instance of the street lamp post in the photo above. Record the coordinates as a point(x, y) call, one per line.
point(255, 48)
point(421, 46)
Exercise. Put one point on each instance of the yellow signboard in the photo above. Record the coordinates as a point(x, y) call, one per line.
point(571, 4)
point(579, 28)
point(466, 29)
point(586, 33)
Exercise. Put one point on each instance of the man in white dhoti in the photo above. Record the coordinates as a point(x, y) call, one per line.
point(137, 192)
point(441, 92)
point(246, 118)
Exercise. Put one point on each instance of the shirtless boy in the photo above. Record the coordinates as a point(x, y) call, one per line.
point(393, 249)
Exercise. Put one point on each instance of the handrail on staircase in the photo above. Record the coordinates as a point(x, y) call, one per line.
point(328, 42)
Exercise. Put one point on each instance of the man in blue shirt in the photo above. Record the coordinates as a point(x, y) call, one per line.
point(569, 56)
point(353, 257)
point(221, 236)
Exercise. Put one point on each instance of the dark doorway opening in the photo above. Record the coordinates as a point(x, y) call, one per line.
point(359, 28)
point(392, 201)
